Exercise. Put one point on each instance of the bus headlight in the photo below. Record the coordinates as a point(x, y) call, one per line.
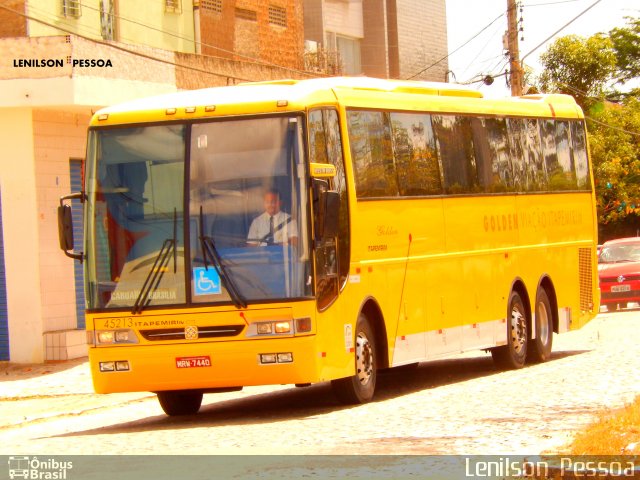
point(277, 327)
point(110, 337)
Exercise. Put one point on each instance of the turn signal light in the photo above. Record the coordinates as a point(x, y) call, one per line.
point(303, 325)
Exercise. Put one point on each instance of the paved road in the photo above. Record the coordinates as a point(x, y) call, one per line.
point(460, 405)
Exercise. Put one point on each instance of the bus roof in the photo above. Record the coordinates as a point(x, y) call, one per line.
point(358, 92)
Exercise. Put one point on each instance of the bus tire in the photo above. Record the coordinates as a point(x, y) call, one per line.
point(539, 348)
point(360, 387)
point(180, 402)
point(513, 355)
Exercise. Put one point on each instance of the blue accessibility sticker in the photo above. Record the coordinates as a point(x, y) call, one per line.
point(206, 281)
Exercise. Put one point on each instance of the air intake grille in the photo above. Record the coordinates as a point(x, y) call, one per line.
point(586, 279)
point(164, 334)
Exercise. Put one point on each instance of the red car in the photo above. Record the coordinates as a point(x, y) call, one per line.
point(619, 272)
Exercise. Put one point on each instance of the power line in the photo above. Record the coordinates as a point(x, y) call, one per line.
point(496, 31)
point(560, 29)
point(463, 45)
point(637, 134)
point(586, 95)
point(552, 3)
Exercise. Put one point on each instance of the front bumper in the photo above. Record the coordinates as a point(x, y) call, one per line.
point(232, 364)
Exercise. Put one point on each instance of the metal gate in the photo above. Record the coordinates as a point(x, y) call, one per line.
point(76, 216)
point(4, 316)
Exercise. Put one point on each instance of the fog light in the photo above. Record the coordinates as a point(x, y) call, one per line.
point(267, 358)
point(122, 366)
point(105, 336)
point(303, 325)
point(107, 366)
point(285, 357)
point(264, 328)
point(283, 327)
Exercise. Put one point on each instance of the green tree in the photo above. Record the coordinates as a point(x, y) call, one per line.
point(614, 140)
point(626, 45)
point(578, 66)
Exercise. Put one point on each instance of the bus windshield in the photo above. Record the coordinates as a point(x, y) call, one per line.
point(238, 235)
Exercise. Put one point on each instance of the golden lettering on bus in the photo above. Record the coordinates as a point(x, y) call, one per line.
point(540, 219)
point(386, 230)
point(501, 223)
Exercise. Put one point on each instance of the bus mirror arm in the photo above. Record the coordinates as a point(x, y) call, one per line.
point(65, 226)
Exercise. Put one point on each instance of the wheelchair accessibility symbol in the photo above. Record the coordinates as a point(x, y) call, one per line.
point(206, 281)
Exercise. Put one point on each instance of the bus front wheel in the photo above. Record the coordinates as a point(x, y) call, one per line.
point(514, 353)
point(180, 402)
point(360, 387)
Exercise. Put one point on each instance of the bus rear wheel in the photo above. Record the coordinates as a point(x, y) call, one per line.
point(513, 355)
point(539, 349)
point(180, 402)
point(360, 387)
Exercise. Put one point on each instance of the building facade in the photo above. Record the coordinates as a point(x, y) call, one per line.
point(381, 38)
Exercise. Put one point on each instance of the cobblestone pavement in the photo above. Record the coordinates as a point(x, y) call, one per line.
point(455, 406)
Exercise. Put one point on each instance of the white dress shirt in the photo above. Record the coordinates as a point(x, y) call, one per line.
point(283, 229)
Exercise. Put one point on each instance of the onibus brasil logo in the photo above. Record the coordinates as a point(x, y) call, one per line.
point(38, 469)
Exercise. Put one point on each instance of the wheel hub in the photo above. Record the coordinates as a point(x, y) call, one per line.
point(364, 359)
point(518, 330)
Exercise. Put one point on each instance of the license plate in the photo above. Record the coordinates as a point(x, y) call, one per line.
point(193, 362)
point(621, 288)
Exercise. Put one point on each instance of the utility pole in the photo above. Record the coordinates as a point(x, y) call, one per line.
point(516, 74)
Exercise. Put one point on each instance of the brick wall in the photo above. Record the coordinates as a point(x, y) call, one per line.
point(227, 29)
point(12, 25)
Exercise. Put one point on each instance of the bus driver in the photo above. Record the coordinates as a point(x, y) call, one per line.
point(273, 226)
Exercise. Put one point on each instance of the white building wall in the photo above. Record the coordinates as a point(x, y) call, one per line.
point(344, 18)
point(21, 235)
point(422, 38)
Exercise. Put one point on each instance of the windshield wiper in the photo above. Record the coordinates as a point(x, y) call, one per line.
point(209, 251)
point(152, 281)
point(155, 274)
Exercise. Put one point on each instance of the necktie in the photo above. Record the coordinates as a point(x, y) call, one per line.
point(271, 239)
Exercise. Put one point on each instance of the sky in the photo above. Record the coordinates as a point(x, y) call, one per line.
point(541, 18)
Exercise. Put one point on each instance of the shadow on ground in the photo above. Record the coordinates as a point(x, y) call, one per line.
point(295, 403)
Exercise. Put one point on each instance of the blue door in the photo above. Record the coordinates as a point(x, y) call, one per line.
point(76, 215)
point(4, 316)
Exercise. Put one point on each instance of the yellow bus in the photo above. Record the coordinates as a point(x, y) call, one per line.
point(295, 232)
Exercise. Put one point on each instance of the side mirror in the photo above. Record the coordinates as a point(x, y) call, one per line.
point(65, 226)
point(331, 214)
point(326, 205)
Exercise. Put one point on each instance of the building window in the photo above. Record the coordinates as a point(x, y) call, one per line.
point(71, 8)
point(211, 5)
point(245, 14)
point(173, 6)
point(277, 16)
point(349, 51)
point(107, 20)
